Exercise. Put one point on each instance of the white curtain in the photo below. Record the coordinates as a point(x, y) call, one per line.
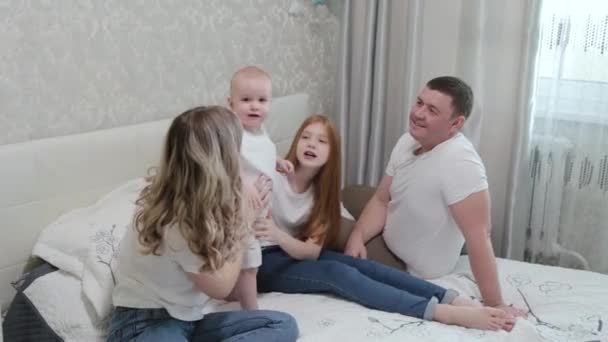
point(561, 217)
point(378, 38)
point(391, 48)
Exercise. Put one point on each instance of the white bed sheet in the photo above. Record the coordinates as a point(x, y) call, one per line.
point(566, 305)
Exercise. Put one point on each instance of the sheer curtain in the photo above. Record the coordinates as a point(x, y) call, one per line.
point(391, 48)
point(562, 216)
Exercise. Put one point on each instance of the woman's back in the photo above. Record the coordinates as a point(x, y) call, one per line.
point(159, 281)
point(186, 242)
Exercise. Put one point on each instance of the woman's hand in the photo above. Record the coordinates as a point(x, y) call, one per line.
point(263, 187)
point(266, 229)
point(258, 194)
point(254, 201)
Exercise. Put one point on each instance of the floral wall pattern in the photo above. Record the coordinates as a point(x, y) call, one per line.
point(71, 66)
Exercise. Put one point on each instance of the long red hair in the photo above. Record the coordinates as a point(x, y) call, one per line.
point(323, 224)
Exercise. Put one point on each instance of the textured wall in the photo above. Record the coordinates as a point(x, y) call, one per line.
point(70, 66)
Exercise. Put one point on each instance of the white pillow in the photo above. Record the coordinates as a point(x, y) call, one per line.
point(98, 277)
point(56, 298)
point(65, 243)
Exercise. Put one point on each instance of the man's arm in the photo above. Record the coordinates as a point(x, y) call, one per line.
point(473, 217)
point(372, 220)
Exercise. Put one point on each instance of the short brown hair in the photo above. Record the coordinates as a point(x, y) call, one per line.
point(460, 92)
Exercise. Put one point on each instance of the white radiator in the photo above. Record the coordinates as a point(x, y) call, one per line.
point(584, 213)
point(551, 169)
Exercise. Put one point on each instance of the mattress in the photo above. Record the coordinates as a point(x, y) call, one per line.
point(565, 305)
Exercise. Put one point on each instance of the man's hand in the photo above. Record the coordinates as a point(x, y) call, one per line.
point(372, 220)
point(284, 166)
point(355, 246)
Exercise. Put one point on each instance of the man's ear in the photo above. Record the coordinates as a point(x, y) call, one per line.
point(458, 123)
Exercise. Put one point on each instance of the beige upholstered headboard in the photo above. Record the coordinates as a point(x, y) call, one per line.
point(40, 180)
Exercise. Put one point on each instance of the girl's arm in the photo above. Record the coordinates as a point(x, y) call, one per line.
point(219, 284)
point(266, 229)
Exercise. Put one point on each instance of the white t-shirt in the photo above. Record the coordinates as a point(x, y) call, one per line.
point(419, 226)
point(150, 281)
point(290, 210)
point(258, 156)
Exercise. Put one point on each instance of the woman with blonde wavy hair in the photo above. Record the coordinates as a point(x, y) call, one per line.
point(187, 242)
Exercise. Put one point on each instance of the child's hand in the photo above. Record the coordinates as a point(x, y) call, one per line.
point(284, 166)
point(266, 229)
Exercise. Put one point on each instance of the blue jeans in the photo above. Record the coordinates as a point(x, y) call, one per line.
point(156, 325)
point(363, 281)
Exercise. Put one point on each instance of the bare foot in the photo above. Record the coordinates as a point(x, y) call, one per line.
point(517, 312)
point(465, 301)
point(483, 318)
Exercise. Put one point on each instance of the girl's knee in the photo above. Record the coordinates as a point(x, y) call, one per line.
point(338, 269)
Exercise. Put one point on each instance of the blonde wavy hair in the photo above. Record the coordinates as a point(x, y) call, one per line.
point(197, 188)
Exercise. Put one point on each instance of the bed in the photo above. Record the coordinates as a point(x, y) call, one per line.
point(65, 298)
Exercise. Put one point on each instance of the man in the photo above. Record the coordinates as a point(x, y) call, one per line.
point(434, 196)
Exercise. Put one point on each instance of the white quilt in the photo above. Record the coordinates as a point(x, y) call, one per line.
point(566, 305)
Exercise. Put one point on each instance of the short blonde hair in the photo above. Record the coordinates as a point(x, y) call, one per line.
point(250, 71)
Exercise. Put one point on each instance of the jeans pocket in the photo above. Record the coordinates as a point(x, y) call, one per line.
point(127, 323)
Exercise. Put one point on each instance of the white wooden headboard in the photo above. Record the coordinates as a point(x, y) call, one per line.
point(40, 180)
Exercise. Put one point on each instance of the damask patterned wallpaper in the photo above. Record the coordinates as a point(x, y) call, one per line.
point(70, 66)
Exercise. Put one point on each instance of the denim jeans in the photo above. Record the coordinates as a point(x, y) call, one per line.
point(363, 281)
point(156, 325)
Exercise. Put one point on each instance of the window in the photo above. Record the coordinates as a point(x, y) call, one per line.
point(573, 60)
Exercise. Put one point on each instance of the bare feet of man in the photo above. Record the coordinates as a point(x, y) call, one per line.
point(483, 318)
point(466, 301)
